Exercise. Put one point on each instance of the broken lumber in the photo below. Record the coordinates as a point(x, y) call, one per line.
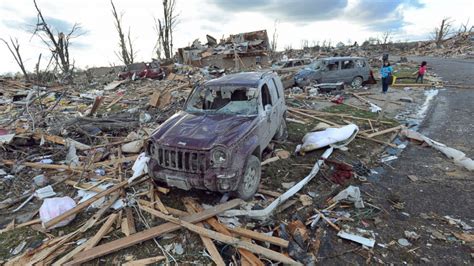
point(92, 242)
point(313, 117)
point(46, 166)
point(151, 233)
point(85, 204)
point(378, 141)
point(385, 131)
point(224, 238)
point(35, 221)
point(259, 236)
point(211, 248)
point(146, 261)
point(247, 256)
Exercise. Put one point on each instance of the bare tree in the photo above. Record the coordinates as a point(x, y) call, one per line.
point(443, 31)
point(464, 27)
point(386, 37)
point(126, 54)
point(57, 42)
point(304, 44)
point(274, 42)
point(15, 51)
point(165, 28)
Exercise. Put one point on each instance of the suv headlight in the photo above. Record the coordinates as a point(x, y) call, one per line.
point(218, 156)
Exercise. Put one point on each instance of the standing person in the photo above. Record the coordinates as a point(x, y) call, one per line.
point(386, 74)
point(421, 72)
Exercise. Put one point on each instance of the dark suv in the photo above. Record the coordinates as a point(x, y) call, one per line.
point(216, 142)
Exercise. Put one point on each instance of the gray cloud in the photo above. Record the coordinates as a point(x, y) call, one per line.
point(287, 10)
point(378, 15)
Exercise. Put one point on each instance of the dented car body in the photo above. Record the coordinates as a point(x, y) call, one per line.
point(217, 141)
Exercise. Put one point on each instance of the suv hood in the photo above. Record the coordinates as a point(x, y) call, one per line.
point(202, 131)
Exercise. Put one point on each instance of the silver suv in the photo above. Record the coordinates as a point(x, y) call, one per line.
point(350, 70)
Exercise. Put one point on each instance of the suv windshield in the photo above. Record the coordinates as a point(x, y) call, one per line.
point(223, 100)
point(316, 65)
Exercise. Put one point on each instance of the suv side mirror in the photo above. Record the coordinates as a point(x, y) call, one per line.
point(268, 111)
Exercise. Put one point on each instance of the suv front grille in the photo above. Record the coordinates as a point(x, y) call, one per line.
point(181, 160)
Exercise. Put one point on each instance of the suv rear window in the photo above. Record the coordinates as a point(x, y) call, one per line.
point(359, 63)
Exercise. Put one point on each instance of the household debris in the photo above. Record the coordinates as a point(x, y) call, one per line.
point(89, 137)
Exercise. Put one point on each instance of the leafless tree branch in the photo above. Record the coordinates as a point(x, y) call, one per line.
point(126, 53)
point(15, 51)
point(58, 43)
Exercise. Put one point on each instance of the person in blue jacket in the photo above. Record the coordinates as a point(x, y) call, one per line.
point(386, 74)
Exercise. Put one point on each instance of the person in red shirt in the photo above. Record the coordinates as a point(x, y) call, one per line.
point(421, 72)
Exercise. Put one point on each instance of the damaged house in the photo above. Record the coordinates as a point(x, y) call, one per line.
point(243, 50)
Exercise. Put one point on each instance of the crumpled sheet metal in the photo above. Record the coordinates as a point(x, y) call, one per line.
point(265, 213)
point(457, 156)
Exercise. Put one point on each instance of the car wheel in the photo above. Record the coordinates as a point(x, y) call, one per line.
point(356, 82)
point(250, 179)
point(282, 132)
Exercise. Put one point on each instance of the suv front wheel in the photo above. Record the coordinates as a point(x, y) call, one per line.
point(251, 178)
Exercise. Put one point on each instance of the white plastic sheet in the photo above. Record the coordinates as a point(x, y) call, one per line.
point(139, 167)
point(351, 193)
point(265, 213)
point(457, 156)
point(320, 139)
point(53, 207)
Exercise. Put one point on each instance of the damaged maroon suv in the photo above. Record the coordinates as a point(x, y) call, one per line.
point(216, 142)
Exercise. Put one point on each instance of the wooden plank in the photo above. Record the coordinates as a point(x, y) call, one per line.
point(130, 221)
point(163, 190)
point(378, 141)
point(9, 228)
point(146, 261)
point(211, 248)
point(155, 98)
point(116, 100)
point(45, 166)
point(313, 117)
point(92, 242)
point(159, 204)
point(85, 204)
point(248, 258)
point(84, 186)
point(385, 131)
point(115, 161)
point(149, 233)
point(259, 236)
point(224, 238)
point(269, 192)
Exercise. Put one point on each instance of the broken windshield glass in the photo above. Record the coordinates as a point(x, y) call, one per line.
point(223, 100)
point(316, 65)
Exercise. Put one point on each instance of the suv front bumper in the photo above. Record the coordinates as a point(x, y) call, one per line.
point(214, 179)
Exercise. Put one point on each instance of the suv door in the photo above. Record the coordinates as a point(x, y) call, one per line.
point(331, 72)
point(348, 70)
point(267, 120)
point(278, 102)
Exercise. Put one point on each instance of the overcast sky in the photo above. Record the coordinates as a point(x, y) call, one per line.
point(312, 20)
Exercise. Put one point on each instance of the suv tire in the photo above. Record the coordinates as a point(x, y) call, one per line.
point(357, 82)
point(282, 132)
point(251, 178)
